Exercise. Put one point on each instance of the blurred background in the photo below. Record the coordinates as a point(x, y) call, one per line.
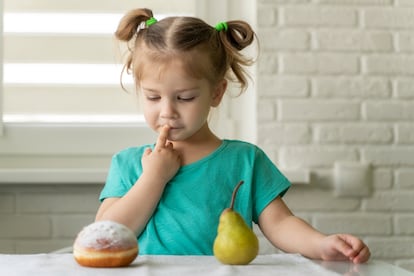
point(331, 101)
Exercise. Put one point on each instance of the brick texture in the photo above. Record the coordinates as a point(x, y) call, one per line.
point(44, 218)
point(375, 224)
point(338, 75)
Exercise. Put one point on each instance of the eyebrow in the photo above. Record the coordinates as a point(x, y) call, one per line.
point(149, 89)
point(175, 91)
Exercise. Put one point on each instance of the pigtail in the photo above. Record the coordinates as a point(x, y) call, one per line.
point(236, 36)
point(128, 26)
point(127, 32)
point(239, 34)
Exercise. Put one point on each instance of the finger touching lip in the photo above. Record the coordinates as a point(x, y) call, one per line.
point(163, 136)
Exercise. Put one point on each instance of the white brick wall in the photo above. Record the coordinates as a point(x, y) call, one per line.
point(42, 218)
point(336, 84)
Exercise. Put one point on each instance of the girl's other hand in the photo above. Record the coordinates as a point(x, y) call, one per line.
point(163, 162)
point(341, 247)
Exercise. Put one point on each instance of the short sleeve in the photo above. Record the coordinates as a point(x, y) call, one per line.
point(269, 183)
point(123, 172)
point(114, 186)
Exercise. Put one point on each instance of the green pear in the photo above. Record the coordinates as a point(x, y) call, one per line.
point(235, 243)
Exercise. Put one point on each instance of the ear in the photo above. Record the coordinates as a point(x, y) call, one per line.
point(218, 93)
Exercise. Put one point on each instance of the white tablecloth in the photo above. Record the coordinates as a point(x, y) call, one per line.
point(277, 264)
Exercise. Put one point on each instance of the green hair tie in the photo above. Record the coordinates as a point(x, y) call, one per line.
point(221, 26)
point(150, 21)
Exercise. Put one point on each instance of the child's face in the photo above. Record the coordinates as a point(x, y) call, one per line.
point(173, 97)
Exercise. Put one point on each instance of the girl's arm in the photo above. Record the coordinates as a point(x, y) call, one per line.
point(136, 207)
point(292, 234)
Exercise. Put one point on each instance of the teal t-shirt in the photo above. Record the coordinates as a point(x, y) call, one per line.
point(186, 218)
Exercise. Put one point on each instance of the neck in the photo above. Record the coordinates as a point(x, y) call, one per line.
point(197, 147)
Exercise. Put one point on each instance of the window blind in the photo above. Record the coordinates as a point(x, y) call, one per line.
point(61, 61)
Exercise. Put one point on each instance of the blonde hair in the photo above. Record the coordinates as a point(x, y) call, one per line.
point(186, 38)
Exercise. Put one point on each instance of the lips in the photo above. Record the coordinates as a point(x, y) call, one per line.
point(172, 127)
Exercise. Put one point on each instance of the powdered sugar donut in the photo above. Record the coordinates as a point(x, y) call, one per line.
point(105, 244)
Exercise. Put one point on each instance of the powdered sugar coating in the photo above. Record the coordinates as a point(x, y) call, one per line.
point(106, 235)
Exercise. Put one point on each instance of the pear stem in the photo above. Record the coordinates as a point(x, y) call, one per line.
point(233, 197)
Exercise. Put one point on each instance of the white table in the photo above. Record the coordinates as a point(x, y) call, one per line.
point(277, 264)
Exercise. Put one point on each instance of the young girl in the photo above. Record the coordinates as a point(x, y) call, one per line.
point(172, 193)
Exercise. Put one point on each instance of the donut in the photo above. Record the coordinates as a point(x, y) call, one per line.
point(105, 244)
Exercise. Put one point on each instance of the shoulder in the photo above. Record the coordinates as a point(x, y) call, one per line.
point(132, 150)
point(248, 152)
point(130, 153)
point(243, 147)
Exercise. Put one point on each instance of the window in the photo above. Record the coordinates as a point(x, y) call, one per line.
point(61, 62)
point(63, 111)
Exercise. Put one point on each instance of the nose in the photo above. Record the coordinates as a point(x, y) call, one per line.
point(168, 110)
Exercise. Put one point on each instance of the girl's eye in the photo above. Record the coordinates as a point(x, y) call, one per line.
point(186, 99)
point(153, 98)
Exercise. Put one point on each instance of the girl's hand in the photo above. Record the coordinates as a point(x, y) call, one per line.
point(341, 247)
point(163, 162)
